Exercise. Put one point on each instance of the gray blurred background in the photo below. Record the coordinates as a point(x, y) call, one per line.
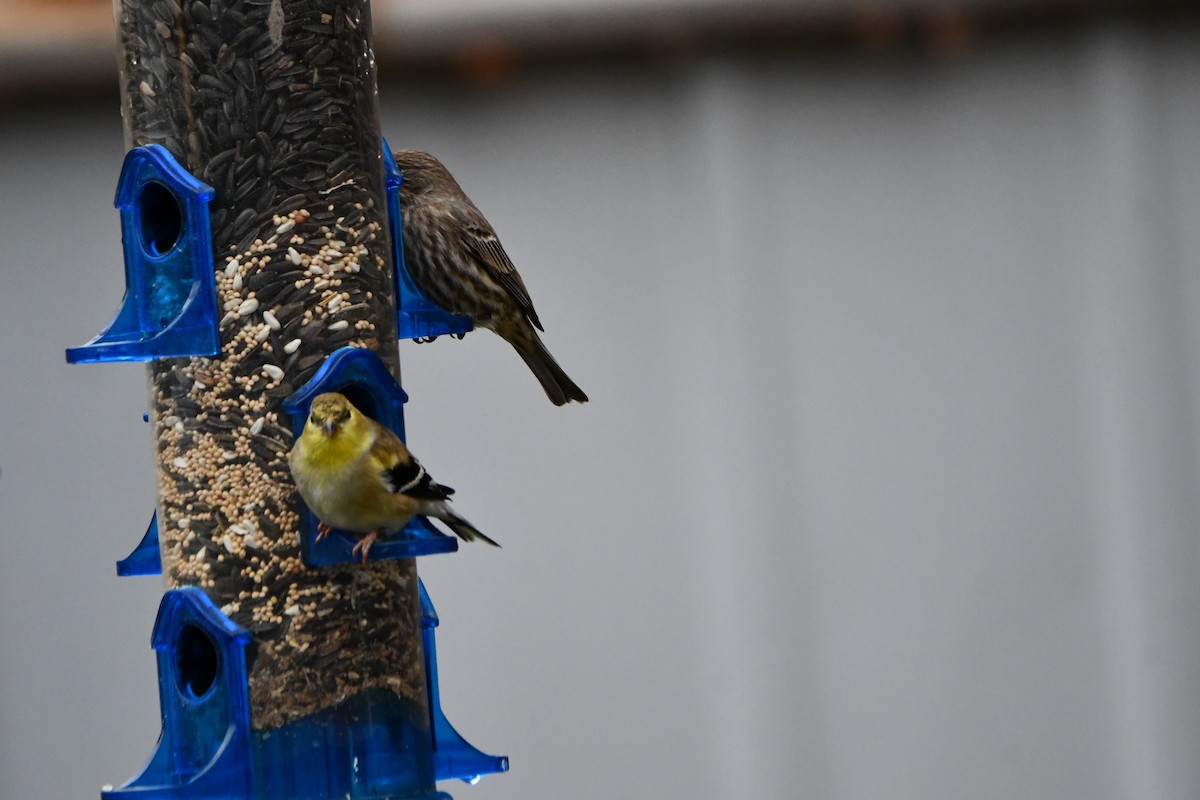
point(888, 485)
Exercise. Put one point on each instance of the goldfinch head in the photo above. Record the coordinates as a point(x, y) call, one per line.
point(331, 413)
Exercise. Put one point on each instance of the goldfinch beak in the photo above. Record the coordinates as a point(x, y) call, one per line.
point(329, 426)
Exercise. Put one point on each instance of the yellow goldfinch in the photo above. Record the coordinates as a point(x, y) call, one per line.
point(357, 476)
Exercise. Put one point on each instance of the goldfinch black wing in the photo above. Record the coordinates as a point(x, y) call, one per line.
point(410, 478)
point(401, 472)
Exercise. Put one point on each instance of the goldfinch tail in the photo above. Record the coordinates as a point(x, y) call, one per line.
point(465, 530)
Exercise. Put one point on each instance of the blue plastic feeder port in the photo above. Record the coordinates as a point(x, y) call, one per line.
point(145, 558)
point(417, 317)
point(370, 746)
point(170, 304)
point(366, 382)
point(453, 757)
point(204, 750)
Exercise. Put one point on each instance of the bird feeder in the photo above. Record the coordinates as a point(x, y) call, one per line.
point(260, 269)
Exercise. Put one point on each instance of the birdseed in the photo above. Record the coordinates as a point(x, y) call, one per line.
point(273, 104)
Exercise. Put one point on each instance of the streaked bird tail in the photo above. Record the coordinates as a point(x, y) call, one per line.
point(465, 530)
point(559, 387)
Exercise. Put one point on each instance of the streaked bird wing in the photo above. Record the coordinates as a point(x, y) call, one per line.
point(482, 242)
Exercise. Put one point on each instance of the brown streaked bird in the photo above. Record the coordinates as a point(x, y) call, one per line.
point(357, 476)
point(457, 261)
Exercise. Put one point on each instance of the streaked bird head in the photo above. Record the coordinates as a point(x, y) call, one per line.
point(423, 173)
point(330, 414)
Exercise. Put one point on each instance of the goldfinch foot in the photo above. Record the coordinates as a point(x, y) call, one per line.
point(364, 544)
